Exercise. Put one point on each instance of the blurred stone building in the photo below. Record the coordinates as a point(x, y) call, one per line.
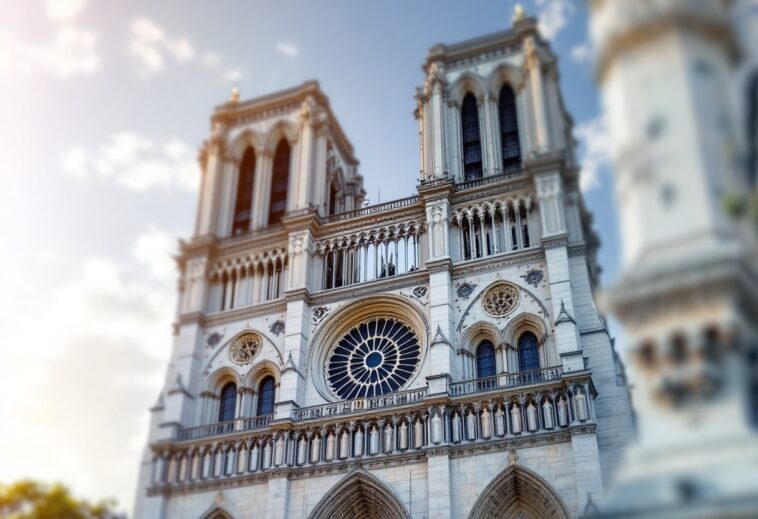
point(438, 356)
point(680, 88)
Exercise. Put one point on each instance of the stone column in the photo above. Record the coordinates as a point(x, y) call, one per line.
point(209, 196)
point(263, 171)
point(537, 89)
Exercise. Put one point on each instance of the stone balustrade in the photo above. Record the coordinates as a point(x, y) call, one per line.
point(359, 405)
point(411, 423)
point(506, 380)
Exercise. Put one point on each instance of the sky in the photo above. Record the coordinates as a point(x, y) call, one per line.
point(104, 106)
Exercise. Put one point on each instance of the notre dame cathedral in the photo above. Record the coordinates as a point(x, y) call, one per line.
point(438, 356)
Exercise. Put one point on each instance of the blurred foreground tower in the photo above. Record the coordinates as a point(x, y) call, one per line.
point(679, 87)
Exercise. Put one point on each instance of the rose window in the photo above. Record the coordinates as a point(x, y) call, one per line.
point(500, 300)
point(245, 348)
point(374, 358)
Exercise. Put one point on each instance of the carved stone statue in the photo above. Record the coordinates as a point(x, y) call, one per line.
point(358, 442)
point(515, 419)
point(315, 449)
point(456, 428)
point(373, 440)
point(403, 436)
point(486, 423)
point(436, 428)
point(418, 434)
point(531, 418)
point(547, 411)
point(388, 438)
point(562, 412)
point(329, 454)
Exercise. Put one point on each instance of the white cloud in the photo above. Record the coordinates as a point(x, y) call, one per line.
point(595, 141)
point(64, 10)
point(71, 52)
point(553, 16)
point(136, 163)
point(90, 362)
point(154, 49)
point(155, 250)
point(232, 75)
point(287, 49)
point(581, 53)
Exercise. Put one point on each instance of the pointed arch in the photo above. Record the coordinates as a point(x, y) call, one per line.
point(217, 512)
point(243, 206)
point(280, 177)
point(518, 492)
point(471, 136)
point(360, 494)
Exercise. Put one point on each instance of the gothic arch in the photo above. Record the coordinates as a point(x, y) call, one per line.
point(217, 512)
point(342, 320)
point(467, 82)
point(504, 73)
point(518, 492)
point(360, 494)
point(246, 139)
point(283, 129)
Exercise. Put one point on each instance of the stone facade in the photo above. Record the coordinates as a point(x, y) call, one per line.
point(477, 378)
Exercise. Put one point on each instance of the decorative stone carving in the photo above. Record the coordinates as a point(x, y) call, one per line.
point(456, 428)
point(515, 419)
point(420, 292)
point(214, 339)
point(319, 313)
point(501, 299)
point(277, 327)
point(464, 290)
point(388, 438)
point(245, 348)
point(533, 277)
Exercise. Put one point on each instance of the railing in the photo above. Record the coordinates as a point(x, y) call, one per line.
point(483, 181)
point(217, 429)
point(356, 406)
point(506, 380)
point(371, 209)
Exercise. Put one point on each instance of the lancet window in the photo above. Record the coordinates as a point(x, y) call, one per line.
point(241, 284)
point(528, 352)
point(472, 141)
point(485, 360)
point(266, 393)
point(279, 182)
point(228, 402)
point(243, 206)
point(509, 138)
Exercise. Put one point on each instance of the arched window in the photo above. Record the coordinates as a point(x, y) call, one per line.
point(228, 402)
point(279, 182)
point(243, 207)
point(509, 129)
point(528, 354)
point(266, 392)
point(472, 142)
point(332, 197)
point(485, 360)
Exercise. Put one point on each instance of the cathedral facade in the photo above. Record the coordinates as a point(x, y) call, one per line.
point(437, 356)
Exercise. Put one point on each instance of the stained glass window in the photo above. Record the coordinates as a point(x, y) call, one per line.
point(509, 129)
point(485, 360)
point(228, 402)
point(374, 358)
point(472, 142)
point(266, 393)
point(279, 182)
point(528, 354)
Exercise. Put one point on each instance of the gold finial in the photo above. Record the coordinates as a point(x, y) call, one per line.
point(235, 95)
point(518, 13)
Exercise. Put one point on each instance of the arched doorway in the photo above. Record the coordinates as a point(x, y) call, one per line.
point(518, 493)
point(359, 495)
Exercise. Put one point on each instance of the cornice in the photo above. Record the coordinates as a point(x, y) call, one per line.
point(464, 269)
point(238, 314)
point(370, 288)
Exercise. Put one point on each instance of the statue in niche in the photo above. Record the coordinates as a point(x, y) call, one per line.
point(500, 421)
point(418, 434)
point(547, 411)
point(581, 405)
point(456, 428)
point(471, 426)
point(486, 423)
point(279, 451)
point(302, 447)
point(329, 454)
point(403, 436)
point(254, 453)
point(358, 442)
point(388, 438)
point(315, 448)
point(515, 419)
point(531, 417)
point(436, 428)
point(345, 445)
point(373, 440)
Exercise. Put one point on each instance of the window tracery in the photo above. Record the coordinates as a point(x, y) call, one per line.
point(501, 299)
point(245, 348)
point(374, 358)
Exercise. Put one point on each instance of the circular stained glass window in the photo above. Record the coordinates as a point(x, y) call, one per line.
point(374, 358)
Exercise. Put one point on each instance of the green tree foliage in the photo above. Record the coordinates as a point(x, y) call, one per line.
point(33, 500)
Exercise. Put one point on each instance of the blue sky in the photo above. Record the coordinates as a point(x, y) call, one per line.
point(104, 107)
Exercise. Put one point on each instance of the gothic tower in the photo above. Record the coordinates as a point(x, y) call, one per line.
point(434, 356)
point(671, 74)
